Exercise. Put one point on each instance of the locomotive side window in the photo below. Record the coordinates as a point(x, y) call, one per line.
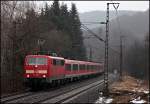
point(54, 62)
point(62, 62)
point(58, 62)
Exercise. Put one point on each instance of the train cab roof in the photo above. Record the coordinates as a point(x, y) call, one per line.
point(51, 57)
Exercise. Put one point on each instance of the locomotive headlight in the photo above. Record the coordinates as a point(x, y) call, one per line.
point(44, 76)
point(28, 76)
point(29, 71)
point(42, 71)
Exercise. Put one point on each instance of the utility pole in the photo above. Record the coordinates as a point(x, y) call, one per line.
point(121, 56)
point(106, 90)
point(106, 54)
point(90, 54)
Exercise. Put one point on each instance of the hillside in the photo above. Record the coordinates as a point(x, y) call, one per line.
point(100, 16)
point(133, 25)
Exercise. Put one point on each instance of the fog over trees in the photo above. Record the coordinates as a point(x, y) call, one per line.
point(134, 26)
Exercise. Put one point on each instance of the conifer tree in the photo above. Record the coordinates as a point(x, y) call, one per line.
point(55, 8)
point(64, 16)
point(46, 10)
point(76, 34)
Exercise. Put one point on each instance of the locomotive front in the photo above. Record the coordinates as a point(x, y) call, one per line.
point(36, 69)
point(36, 66)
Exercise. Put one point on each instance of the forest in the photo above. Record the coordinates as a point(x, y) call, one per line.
point(25, 30)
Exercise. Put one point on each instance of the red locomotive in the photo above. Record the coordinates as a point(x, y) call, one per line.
point(49, 69)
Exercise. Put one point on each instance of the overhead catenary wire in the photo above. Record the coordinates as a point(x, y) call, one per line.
point(96, 36)
point(93, 33)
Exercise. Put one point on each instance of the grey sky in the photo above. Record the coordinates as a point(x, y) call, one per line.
point(86, 6)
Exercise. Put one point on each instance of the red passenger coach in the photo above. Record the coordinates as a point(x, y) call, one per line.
point(74, 68)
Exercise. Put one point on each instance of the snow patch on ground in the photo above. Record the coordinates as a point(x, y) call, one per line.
point(146, 91)
point(138, 100)
point(104, 100)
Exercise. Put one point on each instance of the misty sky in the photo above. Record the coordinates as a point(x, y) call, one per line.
point(86, 6)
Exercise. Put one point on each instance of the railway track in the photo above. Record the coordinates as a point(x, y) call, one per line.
point(70, 94)
point(13, 94)
point(56, 95)
point(74, 93)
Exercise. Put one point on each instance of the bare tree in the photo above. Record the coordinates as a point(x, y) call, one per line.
point(10, 11)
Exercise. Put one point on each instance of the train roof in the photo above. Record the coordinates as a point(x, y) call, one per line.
point(67, 60)
point(53, 57)
point(80, 62)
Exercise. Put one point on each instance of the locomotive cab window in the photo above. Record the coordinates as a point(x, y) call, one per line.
point(37, 61)
point(62, 62)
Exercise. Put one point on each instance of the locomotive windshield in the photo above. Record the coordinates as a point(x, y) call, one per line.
point(36, 61)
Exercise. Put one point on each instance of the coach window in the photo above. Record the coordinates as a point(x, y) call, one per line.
point(94, 67)
point(82, 67)
point(87, 67)
point(79, 67)
point(68, 67)
point(75, 67)
point(91, 67)
point(98, 67)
